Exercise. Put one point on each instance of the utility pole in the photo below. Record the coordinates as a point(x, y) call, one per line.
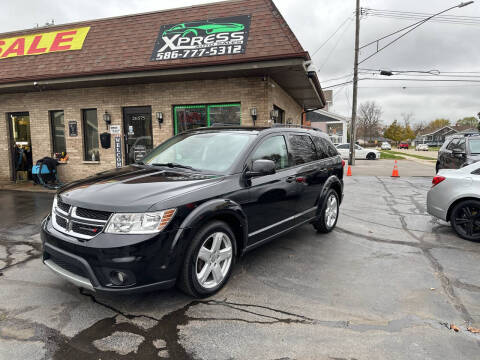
point(351, 154)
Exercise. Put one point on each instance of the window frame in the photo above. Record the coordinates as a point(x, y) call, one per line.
point(207, 108)
point(84, 129)
point(52, 130)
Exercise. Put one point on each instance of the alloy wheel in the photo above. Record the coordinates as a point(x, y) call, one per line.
point(467, 221)
point(331, 211)
point(214, 260)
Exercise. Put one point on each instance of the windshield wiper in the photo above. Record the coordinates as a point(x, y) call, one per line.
point(174, 165)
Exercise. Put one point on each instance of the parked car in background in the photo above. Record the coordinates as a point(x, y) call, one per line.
point(421, 147)
point(403, 145)
point(386, 146)
point(360, 152)
point(455, 197)
point(186, 212)
point(459, 150)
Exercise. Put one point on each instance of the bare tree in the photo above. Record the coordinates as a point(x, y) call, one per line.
point(369, 124)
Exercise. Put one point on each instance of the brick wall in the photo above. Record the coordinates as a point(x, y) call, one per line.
point(279, 97)
point(250, 92)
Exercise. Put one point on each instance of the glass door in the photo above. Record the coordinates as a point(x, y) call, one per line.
point(137, 123)
point(21, 145)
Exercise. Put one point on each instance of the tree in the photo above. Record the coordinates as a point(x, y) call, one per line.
point(468, 122)
point(369, 123)
point(437, 124)
point(408, 133)
point(419, 127)
point(394, 132)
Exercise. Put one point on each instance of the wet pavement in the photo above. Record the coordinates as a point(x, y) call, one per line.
point(387, 283)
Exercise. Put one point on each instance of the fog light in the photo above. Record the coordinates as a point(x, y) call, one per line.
point(118, 278)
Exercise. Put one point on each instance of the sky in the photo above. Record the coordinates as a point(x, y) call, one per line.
point(443, 47)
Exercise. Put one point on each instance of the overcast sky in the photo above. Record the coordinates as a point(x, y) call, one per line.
point(433, 46)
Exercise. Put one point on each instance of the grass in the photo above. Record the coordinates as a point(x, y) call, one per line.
point(421, 157)
point(387, 155)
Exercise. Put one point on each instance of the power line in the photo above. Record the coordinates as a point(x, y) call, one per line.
point(334, 47)
point(407, 15)
point(331, 36)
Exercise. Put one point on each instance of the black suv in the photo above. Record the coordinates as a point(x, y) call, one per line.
point(458, 151)
point(191, 207)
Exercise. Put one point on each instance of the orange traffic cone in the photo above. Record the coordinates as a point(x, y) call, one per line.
point(349, 171)
point(395, 170)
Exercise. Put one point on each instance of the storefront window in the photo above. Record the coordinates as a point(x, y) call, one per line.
point(189, 117)
point(57, 124)
point(90, 135)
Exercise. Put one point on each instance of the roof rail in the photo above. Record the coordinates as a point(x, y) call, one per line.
point(295, 126)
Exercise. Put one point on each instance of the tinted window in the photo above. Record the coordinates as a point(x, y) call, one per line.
point(322, 147)
point(344, 146)
point(460, 145)
point(274, 149)
point(90, 135)
point(452, 144)
point(332, 150)
point(474, 146)
point(302, 150)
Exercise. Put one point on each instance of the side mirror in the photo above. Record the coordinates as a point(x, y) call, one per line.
point(260, 168)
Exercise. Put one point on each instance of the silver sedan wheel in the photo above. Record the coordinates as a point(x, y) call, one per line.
point(331, 211)
point(214, 260)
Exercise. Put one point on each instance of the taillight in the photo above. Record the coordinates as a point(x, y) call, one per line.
point(343, 163)
point(437, 180)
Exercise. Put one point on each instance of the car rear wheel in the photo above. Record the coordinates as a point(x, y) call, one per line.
point(328, 213)
point(371, 156)
point(209, 260)
point(465, 219)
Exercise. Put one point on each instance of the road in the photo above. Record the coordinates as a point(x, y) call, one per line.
point(386, 284)
point(384, 167)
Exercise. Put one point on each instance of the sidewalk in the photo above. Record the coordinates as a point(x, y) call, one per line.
point(24, 186)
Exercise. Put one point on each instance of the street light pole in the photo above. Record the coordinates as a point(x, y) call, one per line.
point(351, 153)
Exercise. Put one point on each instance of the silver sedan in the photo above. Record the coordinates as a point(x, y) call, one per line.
point(455, 197)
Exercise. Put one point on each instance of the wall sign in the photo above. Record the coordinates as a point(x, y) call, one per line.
point(72, 129)
point(115, 129)
point(224, 36)
point(118, 151)
point(43, 43)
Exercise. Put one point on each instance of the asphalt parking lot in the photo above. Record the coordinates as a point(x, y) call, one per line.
point(386, 284)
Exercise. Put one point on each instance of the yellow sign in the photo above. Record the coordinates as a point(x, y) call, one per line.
point(44, 43)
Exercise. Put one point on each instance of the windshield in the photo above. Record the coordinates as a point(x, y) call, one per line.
point(474, 146)
point(211, 151)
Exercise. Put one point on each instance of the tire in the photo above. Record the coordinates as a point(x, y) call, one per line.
point(466, 226)
point(193, 263)
point(323, 224)
point(371, 156)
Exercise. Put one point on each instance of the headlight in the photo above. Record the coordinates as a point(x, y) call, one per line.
point(139, 223)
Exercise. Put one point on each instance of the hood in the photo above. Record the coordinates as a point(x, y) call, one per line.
point(133, 188)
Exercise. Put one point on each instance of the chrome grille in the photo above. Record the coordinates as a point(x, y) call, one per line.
point(79, 222)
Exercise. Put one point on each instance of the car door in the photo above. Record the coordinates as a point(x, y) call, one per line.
point(360, 153)
point(459, 154)
point(344, 150)
point(271, 206)
point(311, 172)
point(448, 157)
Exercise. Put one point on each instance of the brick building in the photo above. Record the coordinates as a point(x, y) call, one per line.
point(143, 78)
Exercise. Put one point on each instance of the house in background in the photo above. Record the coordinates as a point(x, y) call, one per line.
point(437, 137)
point(332, 124)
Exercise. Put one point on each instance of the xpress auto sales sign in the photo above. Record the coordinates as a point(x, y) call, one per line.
point(225, 36)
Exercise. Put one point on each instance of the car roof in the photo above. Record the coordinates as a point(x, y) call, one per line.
point(261, 129)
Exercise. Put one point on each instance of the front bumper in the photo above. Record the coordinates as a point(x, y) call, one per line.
point(147, 261)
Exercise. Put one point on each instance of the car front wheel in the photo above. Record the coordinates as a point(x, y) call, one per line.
point(328, 213)
point(371, 156)
point(209, 260)
point(465, 219)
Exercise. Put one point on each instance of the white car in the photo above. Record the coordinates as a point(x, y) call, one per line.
point(421, 147)
point(386, 146)
point(360, 152)
point(455, 197)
